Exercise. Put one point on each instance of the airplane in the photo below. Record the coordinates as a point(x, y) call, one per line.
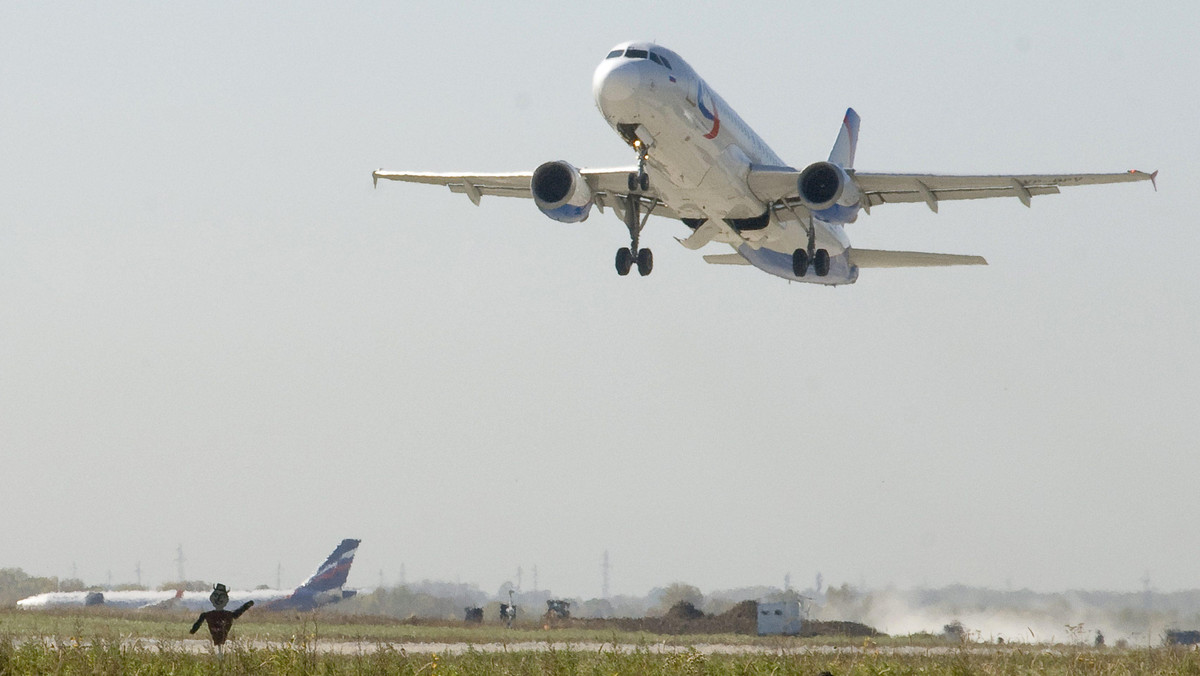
point(700, 163)
point(322, 587)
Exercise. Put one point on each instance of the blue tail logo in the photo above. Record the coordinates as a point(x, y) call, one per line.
point(325, 585)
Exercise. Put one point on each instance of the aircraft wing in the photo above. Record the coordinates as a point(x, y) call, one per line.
point(871, 258)
point(609, 186)
point(775, 184)
point(513, 184)
point(934, 188)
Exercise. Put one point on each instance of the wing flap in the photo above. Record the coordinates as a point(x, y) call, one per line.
point(916, 195)
point(726, 259)
point(871, 258)
point(933, 188)
point(772, 184)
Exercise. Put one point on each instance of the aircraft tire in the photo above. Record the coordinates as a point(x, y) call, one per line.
point(633, 182)
point(800, 262)
point(645, 262)
point(644, 182)
point(821, 262)
point(624, 261)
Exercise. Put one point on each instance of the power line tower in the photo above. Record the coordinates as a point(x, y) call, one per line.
point(535, 577)
point(179, 561)
point(138, 571)
point(604, 575)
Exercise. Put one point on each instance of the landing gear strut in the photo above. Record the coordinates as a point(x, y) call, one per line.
point(627, 256)
point(817, 258)
point(639, 182)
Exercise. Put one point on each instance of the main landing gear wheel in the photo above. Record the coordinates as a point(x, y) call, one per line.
point(625, 261)
point(819, 261)
point(800, 262)
point(645, 262)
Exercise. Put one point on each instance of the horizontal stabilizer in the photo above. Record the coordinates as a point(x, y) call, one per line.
point(726, 259)
point(869, 258)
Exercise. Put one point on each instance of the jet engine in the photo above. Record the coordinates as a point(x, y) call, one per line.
point(824, 184)
point(560, 192)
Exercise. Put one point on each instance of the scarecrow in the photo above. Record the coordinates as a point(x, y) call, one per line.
point(220, 620)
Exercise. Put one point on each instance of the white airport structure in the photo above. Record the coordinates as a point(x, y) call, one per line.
point(781, 618)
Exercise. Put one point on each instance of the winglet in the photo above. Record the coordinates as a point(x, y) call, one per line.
point(1153, 176)
point(375, 179)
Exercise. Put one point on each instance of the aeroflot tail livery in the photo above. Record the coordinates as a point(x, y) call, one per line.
point(699, 163)
point(322, 587)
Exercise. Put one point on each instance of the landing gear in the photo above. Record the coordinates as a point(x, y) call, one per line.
point(800, 262)
point(803, 258)
point(639, 181)
point(627, 256)
point(645, 262)
point(624, 261)
point(819, 260)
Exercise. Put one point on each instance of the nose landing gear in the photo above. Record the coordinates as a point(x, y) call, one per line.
point(639, 182)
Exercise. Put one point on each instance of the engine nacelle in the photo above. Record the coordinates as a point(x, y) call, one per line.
point(560, 192)
point(828, 190)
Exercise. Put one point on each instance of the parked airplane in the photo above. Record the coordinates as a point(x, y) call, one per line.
point(322, 587)
point(698, 162)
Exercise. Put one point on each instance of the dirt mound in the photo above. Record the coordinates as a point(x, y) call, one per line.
point(684, 618)
point(837, 628)
point(684, 611)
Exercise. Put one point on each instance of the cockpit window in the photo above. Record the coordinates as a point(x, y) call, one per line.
point(655, 59)
point(664, 61)
point(637, 53)
point(615, 53)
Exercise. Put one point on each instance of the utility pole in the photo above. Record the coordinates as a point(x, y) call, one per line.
point(279, 575)
point(179, 561)
point(535, 577)
point(604, 576)
point(138, 570)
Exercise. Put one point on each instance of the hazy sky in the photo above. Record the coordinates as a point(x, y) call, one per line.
point(214, 333)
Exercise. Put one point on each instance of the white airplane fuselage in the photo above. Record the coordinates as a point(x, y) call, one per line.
point(699, 157)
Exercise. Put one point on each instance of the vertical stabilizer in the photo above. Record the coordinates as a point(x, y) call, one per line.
point(333, 573)
point(323, 586)
point(843, 149)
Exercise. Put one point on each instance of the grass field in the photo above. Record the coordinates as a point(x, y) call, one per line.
point(108, 642)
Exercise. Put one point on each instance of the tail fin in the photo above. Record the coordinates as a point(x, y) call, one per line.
point(847, 140)
point(332, 574)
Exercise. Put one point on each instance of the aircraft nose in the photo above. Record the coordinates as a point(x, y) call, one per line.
point(614, 83)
